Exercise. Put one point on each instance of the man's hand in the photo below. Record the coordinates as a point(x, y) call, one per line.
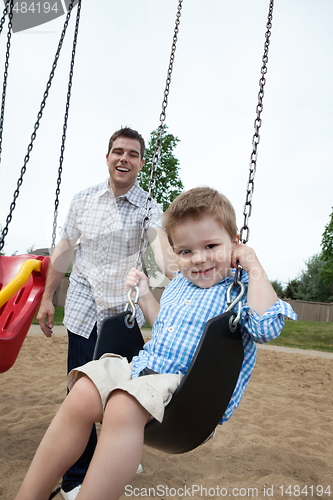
point(60, 260)
point(45, 317)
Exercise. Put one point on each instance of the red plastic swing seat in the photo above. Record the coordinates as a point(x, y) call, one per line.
point(17, 313)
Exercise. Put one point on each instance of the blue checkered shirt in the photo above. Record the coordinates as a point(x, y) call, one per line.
point(109, 232)
point(185, 309)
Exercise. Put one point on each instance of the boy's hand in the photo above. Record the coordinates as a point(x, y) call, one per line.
point(246, 257)
point(149, 305)
point(137, 278)
point(260, 295)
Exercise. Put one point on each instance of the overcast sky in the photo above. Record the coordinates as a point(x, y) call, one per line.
point(120, 71)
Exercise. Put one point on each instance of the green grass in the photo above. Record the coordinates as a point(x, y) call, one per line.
point(309, 335)
point(306, 335)
point(298, 334)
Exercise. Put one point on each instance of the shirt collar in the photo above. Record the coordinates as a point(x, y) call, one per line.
point(227, 279)
point(104, 187)
point(134, 195)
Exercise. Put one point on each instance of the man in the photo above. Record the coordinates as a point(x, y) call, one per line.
point(107, 220)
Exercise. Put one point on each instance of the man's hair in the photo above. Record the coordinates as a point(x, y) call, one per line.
point(130, 134)
point(197, 203)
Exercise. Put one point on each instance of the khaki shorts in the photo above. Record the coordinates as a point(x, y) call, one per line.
point(113, 372)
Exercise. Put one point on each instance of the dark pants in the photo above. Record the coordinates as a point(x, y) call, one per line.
point(80, 351)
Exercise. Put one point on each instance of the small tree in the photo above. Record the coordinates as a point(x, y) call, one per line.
point(291, 290)
point(168, 184)
point(310, 283)
point(327, 254)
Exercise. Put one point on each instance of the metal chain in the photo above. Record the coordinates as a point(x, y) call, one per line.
point(5, 76)
point(36, 126)
point(62, 150)
point(256, 137)
point(4, 14)
point(158, 143)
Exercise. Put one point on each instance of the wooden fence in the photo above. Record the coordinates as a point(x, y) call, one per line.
point(312, 311)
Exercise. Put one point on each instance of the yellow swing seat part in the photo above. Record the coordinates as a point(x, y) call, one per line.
point(20, 279)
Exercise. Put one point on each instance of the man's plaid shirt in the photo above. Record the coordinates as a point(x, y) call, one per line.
point(109, 232)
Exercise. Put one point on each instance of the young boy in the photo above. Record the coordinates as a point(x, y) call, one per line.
point(201, 228)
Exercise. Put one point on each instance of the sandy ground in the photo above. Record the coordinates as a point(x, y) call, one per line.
point(278, 443)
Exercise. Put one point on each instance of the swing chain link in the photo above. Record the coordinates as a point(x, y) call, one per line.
point(158, 143)
point(234, 320)
point(9, 3)
point(62, 150)
point(256, 137)
point(132, 301)
point(36, 126)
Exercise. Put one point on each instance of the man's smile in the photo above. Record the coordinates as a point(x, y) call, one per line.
point(122, 169)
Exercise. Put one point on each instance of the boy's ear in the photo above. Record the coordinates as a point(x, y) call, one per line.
point(235, 243)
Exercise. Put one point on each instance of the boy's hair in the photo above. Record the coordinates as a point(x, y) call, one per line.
point(130, 134)
point(197, 203)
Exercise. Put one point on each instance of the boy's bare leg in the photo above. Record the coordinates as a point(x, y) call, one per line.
point(64, 441)
point(118, 450)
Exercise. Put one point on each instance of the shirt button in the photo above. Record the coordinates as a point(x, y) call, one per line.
point(171, 329)
point(187, 302)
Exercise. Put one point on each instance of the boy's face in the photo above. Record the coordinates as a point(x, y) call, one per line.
point(203, 249)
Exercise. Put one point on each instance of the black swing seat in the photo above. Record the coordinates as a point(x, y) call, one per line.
point(204, 393)
point(116, 335)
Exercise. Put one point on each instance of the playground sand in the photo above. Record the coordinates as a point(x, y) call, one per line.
point(280, 436)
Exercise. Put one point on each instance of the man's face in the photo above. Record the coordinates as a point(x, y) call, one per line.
point(124, 163)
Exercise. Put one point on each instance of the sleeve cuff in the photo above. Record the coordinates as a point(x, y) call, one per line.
point(280, 307)
point(267, 327)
